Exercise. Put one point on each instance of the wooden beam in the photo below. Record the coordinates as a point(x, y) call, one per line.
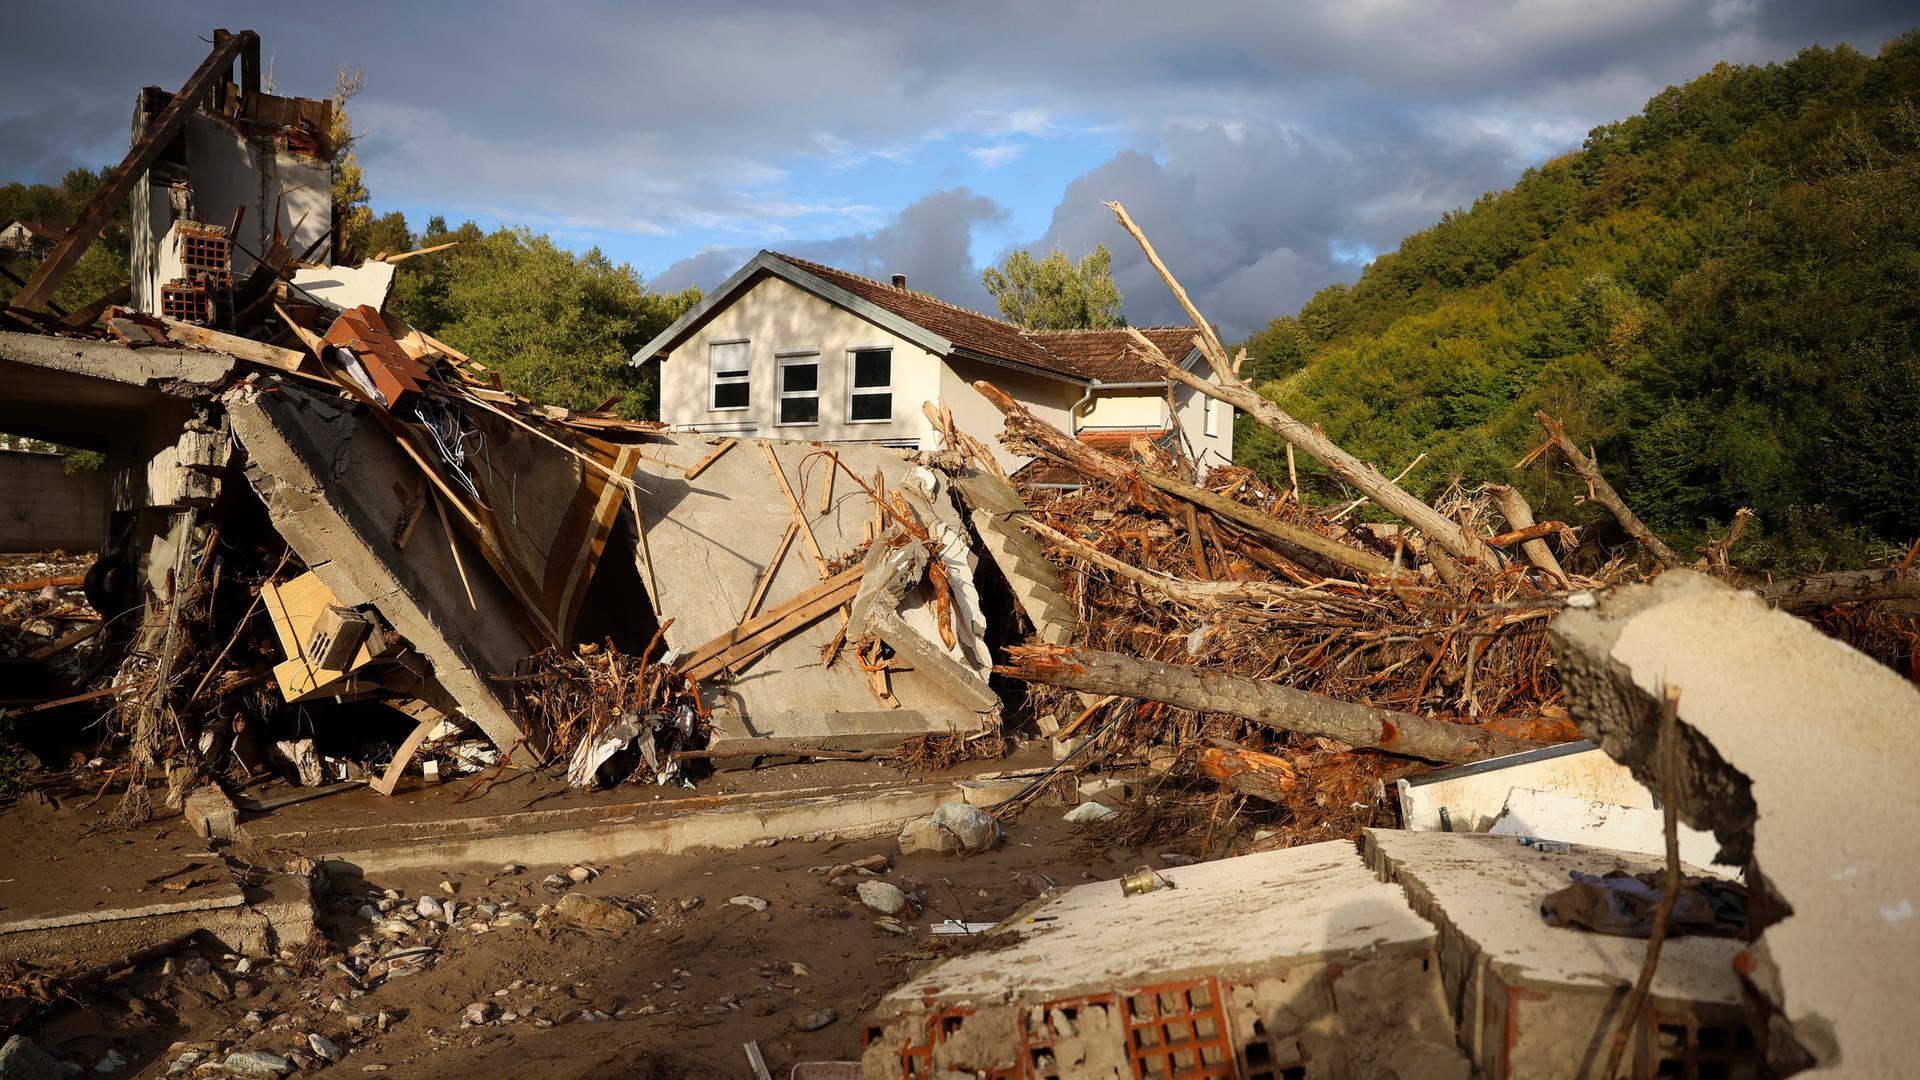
point(802, 609)
point(113, 194)
point(696, 470)
point(245, 348)
point(799, 512)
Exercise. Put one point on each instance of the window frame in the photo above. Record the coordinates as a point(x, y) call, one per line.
point(795, 357)
point(715, 381)
point(856, 391)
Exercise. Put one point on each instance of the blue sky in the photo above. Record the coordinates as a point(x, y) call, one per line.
point(1269, 149)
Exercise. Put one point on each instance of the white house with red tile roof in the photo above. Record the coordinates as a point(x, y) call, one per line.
point(791, 349)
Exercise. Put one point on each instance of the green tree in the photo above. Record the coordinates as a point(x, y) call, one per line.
point(559, 327)
point(1054, 293)
point(350, 196)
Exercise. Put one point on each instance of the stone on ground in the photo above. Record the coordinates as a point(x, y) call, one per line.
point(594, 913)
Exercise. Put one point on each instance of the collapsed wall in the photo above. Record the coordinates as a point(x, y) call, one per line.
point(1799, 753)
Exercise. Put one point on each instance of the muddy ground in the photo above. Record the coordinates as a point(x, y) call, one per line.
point(675, 995)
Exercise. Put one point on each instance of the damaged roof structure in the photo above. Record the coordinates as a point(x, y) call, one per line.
point(329, 531)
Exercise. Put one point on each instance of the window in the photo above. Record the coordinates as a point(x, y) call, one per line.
point(1212, 408)
point(799, 388)
point(732, 365)
point(870, 391)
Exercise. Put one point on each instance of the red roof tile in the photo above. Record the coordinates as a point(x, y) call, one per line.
point(1076, 354)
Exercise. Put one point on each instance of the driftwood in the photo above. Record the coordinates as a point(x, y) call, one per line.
point(1513, 506)
point(1602, 491)
point(1843, 587)
point(1104, 466)
point(1265, 703)
point(1230, 389)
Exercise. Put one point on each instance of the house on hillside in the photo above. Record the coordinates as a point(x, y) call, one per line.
point(791, 349)
point(28, 237)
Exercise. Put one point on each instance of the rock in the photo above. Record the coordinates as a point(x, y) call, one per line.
point(921, 834)
point(891, 925)
point(1174, 858)
point(110, 1062)
point(882, 897)
point(256, 1063)
point(22, 1059)
point(688, 903)
point(973, 827)
point(513, 920)
point(324, 1046)
point(753, 902)
point(513, 868)
point(556, 883)
point(581, 874)
point(429, 908)
point(594, 913)
point(1089, 812)
point(815, 1019)
point(873, 863)
point(477, 1013)
point(393, 928)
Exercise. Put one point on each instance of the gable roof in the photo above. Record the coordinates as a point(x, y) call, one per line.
point(1079, 356)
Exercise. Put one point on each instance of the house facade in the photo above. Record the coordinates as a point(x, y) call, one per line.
point(791, 349)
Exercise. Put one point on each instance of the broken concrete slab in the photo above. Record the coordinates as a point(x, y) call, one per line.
point(342, 288)
point(1539, 1001)
point(300, 445)
point(1790, 741)
point(709, 541)
point(1473, 795)
point(1286, 960)
point(1018, 554)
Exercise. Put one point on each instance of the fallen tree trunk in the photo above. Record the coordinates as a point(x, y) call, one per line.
point(1604, 494)
point(1230, 389)
point(1278, 707)
point(1841, 587)
point(1093, 463)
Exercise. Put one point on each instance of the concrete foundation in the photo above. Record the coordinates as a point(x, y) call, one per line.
point(1533, 1000)
point(1294, 963)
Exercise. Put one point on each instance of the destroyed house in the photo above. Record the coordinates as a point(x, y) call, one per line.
point(791, 349)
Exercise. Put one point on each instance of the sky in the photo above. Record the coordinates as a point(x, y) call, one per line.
point(1268, 149)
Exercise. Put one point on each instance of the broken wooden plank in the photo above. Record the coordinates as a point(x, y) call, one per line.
point(773, 566)
point(428, 718)
point(768, 628)
point(799, 512)
point(701, 466)
point(66, 641)
point(258, 352)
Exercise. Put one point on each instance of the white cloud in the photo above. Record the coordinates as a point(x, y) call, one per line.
point(992, 157)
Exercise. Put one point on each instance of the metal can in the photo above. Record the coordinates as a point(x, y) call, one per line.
point(1143, 880)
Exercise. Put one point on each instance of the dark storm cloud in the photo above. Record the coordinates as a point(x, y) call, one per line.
point(1263, 133)
point(927, 242)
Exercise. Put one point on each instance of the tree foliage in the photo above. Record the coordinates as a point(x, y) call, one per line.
point(1055, 293)
point(559, 327)
point(1720, 295)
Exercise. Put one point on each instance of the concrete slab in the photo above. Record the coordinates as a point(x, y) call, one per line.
point(1286, 960)
point(710, 541)
point(299, 446)
point(1473, 795)
point(1798, 751)
point(1536, 1000)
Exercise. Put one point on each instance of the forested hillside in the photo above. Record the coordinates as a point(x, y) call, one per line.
point(1721, 295)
